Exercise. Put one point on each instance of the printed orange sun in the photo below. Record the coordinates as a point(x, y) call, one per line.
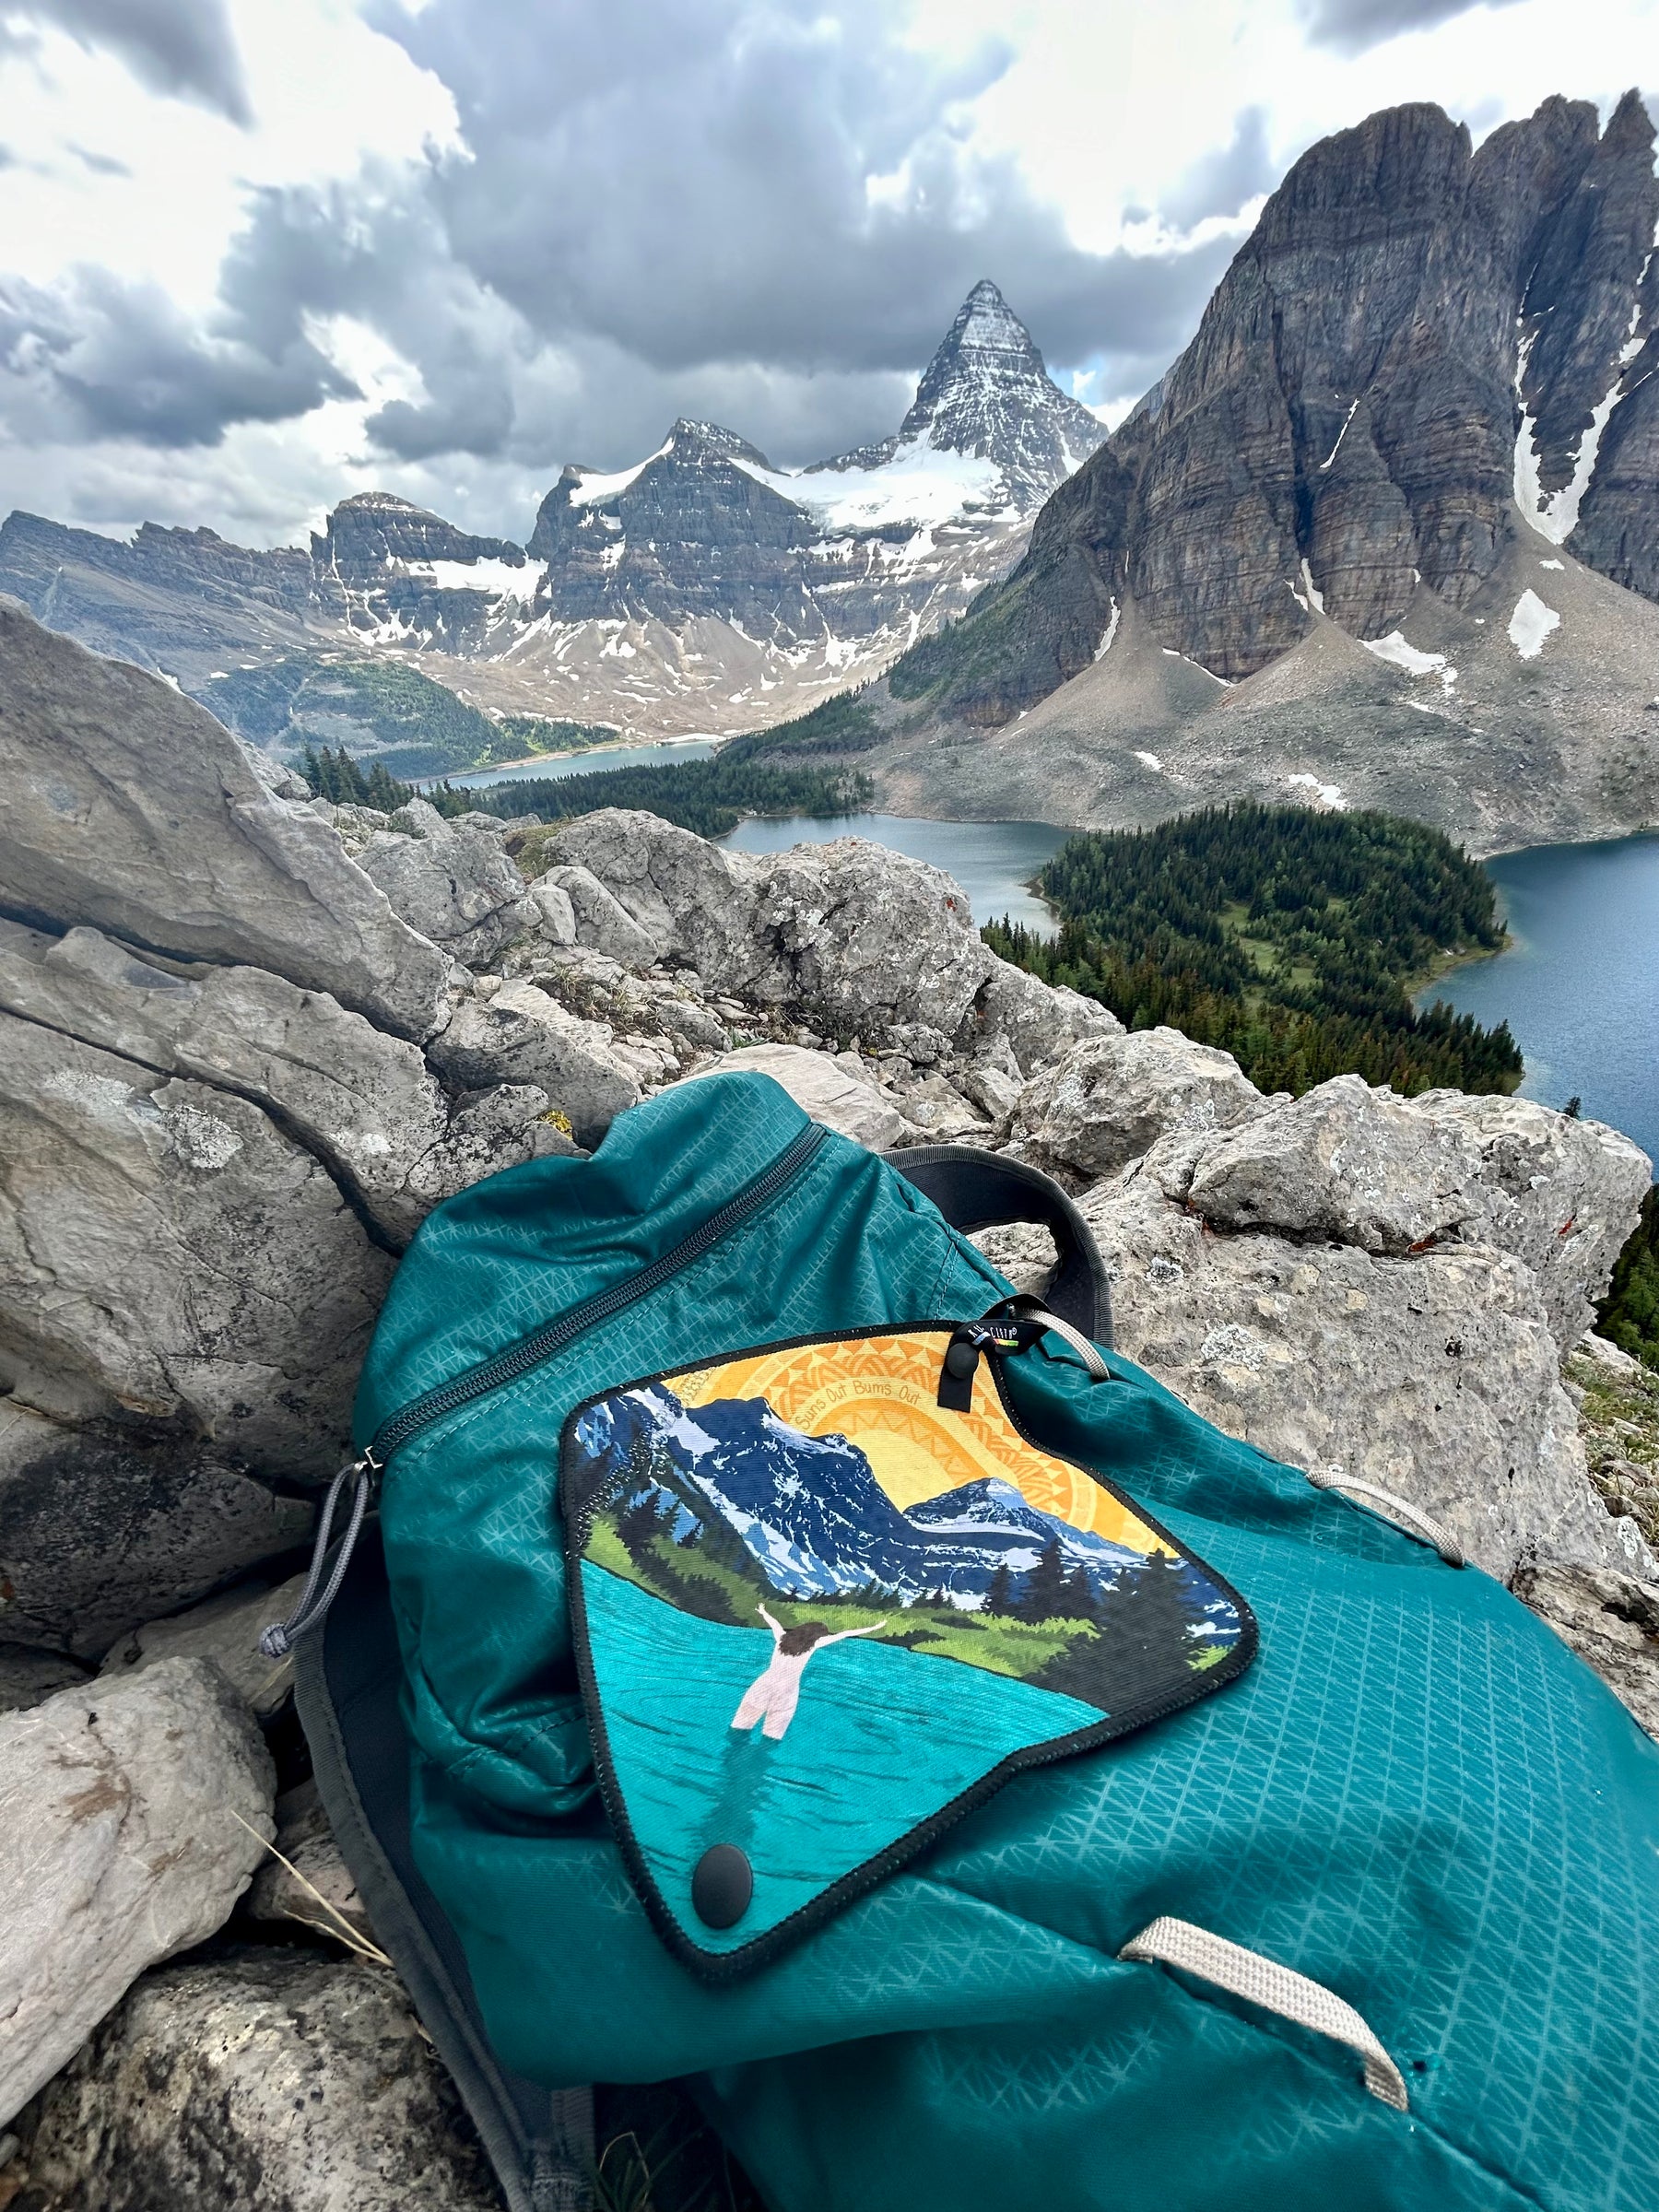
point(881, 1394)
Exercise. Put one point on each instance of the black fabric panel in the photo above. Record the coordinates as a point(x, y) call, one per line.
point(977, 1190)
point(349, 1676)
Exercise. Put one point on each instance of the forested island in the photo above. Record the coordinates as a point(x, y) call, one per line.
point(707, 796)
point(1291, 940)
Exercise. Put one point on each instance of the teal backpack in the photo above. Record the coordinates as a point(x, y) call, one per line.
point(788, 1661)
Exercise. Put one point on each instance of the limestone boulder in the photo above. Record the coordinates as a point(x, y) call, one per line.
point(133, 1818)
point(1434, 1375)
point(599, 919)
point(1111, 1098)
point(694, 901)
point(226, 1629)
point(1562, 1194)
point(1388, 1174)
point(101, 1528)
point(867, 942)
point(520, 1035)
point(365, 1103)
point(129, 808)
point(267, 2078)
point(558, 916)
point(454, 884)
point(1343, 1162)
point(314, 1890)
point(1036, 1023)
point(489, 1130)
point(170, 1257)
point(822, 1088)
point(1611, 1620)
point(854, 939)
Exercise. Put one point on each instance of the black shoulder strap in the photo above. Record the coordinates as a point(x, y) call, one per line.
point(977, 1190)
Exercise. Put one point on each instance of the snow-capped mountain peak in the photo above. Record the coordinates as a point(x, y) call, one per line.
point(809, 1510)
point(986, 391)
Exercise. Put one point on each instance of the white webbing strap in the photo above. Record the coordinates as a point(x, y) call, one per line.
point(1274, 1987)
point(1417, 1522)
point(1088, 1353)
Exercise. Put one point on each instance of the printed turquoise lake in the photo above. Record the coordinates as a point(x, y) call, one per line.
point(882, 1739)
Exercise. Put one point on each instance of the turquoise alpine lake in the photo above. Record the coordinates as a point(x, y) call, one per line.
point(994, 862)
point(1580, 986)
point(882, 1739)
point(586, 763)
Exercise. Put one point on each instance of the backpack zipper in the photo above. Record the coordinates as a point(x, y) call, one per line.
point(518, 1360)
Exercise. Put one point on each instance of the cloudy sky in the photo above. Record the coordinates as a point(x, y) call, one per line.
point(254, 256)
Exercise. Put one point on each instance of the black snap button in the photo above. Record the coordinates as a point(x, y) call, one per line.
point(960, 1358)
point(721, 1885)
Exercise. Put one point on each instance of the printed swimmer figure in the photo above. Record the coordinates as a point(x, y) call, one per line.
point(772, 1699)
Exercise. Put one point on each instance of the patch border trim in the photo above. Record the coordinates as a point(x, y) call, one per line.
point(723, 1968)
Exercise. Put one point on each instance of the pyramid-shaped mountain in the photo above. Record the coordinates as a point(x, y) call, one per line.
point(700, 588)
point(987, 393)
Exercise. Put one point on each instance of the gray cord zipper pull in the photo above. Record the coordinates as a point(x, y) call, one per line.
point(278, 1641)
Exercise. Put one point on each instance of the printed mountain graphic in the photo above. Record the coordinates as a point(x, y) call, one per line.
point(808, 1513)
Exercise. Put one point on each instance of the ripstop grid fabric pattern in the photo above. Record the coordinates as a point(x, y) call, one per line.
point(1416, 1796)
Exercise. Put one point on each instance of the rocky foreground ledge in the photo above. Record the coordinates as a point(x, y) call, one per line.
point(248, 1039)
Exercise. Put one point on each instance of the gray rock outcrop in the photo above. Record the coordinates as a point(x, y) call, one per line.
point(1435, 1377)
point(1609, 1618)
point(1557, 1191)
point(1112, 1097)
point(363, 1102)
point(520, 1035)
point(1394, 1175)
point(860, 941)
point(226, 1629)
point(596, 918)
point(824, 1088)
point(268, 2078)
point(168, 1256)
point(454, 884)
point(131, 809)
point(1310, 1326)
point(134, 1813)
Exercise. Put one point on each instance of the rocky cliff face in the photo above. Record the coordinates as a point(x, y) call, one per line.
point(247, 1041)
point(1420, 393)
point(700, 589)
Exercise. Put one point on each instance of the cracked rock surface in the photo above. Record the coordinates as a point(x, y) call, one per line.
point(134, 1813)
point(265, 2078)
point(129, 807)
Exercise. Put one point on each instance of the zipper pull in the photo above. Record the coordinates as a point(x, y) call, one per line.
point(278, 1641)
point(962, 1359)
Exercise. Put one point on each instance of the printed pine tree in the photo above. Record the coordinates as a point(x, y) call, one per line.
point(1042, 1595)
point(1147, 1624)
point(1142, 1641)
point(999, 1598)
